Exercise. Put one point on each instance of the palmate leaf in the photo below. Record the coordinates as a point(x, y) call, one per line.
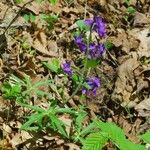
point(95, 141)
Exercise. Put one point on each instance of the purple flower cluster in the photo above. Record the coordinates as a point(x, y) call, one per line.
point(80, 43)
point(98, 25)
point(94, 84)
point(95, 49)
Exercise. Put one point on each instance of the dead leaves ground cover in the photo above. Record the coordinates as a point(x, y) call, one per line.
point(124, 97)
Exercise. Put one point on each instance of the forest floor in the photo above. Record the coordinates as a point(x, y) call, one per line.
point(124, 95)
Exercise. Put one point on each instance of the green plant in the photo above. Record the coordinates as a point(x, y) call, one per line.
point(21, 90)
point(49, 19)
point(109, 132)
point(146, 137)
point(54, 66)
point(130, 11)
point(29, 17)
point(43, 119)
point(93, 136)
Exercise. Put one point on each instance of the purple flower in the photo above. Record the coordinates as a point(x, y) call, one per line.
point(67, 69)
point(98, 24)
point(96, 51)
point(94, 84)
point(79, 42)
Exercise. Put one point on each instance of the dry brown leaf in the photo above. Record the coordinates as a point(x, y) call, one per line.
point(3, 9)
point(72, 146)
point(5, 145)
point(125, 40)
point(40, 44)
point(143, 108)
point(144, 38)
point(140, 19)
point(67, 121)
point(125, 81)
point(19, 138)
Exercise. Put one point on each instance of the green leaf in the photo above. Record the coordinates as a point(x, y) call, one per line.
point(80, 118)
point(35, 108)
point(92, 63)
point(82, 26)
point(75, 77)
point(53, 1)
point(90, 128)
point(115, 133)
point(117, 136)
point(32, 17)
point(18, 1)
point(95, 141)
point(57, 124)
point(54, 66)
point(11, 91)
point(50, 20)
point(146, 137)
point(108, 45)
point(131, 10)
point(65, 110)
point(32, 119)
point(127, 2)
point(29, 17)
point(128, 145)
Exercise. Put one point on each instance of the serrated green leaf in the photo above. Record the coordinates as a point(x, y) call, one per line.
point(32, 17)
point(128, 145)
point(117, 136)
point(57, 124)
point(26, 17)
point(145, 137)
point(95, 141)
point(32, 119)
point(65, 110)
point(115, 133)
point(35, 108)
point(80, 118)
point(90, 128)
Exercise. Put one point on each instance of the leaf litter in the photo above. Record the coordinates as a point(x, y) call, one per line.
point(129, 80)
